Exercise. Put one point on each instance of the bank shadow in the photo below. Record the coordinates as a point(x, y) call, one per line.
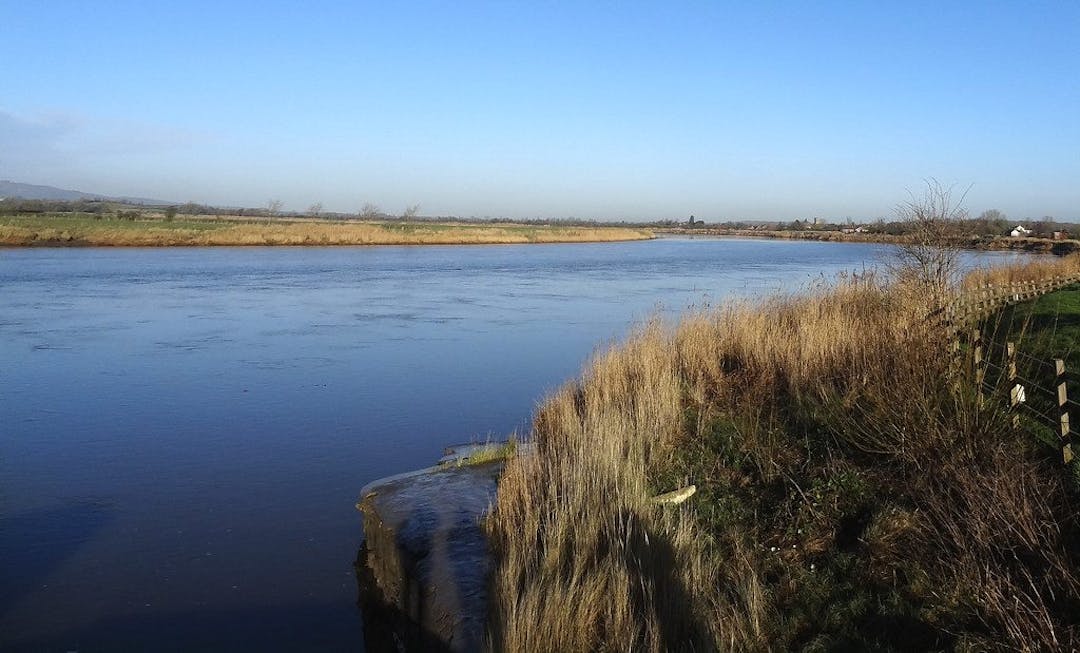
point(35, 543)
point(651, 557)
point(325, 626)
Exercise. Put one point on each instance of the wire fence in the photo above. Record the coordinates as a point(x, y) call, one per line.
point(1034, 390)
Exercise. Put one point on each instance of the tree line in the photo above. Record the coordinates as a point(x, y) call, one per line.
point(992, 222)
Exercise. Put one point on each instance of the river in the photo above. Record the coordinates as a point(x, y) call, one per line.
point(184, 432)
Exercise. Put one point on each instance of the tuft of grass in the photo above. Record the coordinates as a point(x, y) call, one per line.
point(489, 453)
point(852, 493)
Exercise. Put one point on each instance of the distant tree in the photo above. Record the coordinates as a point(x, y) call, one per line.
point(368, 211)
point(931, 253)
point(991, 222)
point(410, 212)
point(273, 207)
point(1044, 226)
point(170, 213)
point(315, 209)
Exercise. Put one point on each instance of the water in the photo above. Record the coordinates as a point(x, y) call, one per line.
point(183, 432)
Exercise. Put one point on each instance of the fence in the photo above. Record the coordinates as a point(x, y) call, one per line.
point(979, 302)
point(1034, 390)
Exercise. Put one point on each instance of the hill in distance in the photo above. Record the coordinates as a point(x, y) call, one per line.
point(39, 192)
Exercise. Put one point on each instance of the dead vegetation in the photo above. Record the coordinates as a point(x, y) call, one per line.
point(1036, 270)
point(112, 232)
point(851, 492)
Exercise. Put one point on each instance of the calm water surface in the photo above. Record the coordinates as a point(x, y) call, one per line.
point(184, 432)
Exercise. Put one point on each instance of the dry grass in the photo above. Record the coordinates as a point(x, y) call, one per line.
point(108, 232)
point(851, 494)
point(1037, 270)
point(586, 562)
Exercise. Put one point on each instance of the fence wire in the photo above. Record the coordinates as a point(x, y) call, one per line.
point(1038, 376)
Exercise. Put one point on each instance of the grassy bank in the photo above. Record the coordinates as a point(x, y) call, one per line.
point(110, 231)
point(853, 493)
point(985, 243)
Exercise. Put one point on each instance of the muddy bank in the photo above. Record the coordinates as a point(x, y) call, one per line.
point(423, 568)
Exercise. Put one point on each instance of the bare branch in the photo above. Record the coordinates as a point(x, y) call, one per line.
point(930, 256)
point(368, 211)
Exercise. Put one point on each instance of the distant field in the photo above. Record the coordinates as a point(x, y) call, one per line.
point(187, 231)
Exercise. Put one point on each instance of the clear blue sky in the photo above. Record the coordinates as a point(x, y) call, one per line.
point(544, 109)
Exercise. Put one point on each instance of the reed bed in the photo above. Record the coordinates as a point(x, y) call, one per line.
point(18, 231)
point(851, 493)
point(1045, 267)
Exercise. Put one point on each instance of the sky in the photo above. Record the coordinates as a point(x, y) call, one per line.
point(598, 110)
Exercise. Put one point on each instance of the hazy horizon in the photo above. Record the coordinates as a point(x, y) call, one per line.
point(607, 112)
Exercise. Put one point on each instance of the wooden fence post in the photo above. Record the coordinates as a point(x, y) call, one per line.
point(1063, 410)
point(980, 371)
point(1014, 387)
point(955, 364)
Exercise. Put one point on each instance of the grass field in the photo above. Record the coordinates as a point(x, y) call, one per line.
point(110, 231)
point(853, 492)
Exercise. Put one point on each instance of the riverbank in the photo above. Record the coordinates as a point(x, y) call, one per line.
point(110, 231)
point(981, 243)
point(856, 489)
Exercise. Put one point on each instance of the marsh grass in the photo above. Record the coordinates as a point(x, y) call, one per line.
point(115, 231)
point(488, 453)
point(851, 493)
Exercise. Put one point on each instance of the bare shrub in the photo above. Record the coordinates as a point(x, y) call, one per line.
point(929, 255)
point(368, 211)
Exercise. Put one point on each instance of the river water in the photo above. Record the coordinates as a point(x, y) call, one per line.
point(184, 432)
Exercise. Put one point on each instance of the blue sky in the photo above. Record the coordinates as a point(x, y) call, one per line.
point(548, 109)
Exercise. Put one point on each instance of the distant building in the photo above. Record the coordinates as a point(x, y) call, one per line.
point(1061, 235)
point(1020, 231)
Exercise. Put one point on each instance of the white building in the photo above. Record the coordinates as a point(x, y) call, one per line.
point(1020, 231)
